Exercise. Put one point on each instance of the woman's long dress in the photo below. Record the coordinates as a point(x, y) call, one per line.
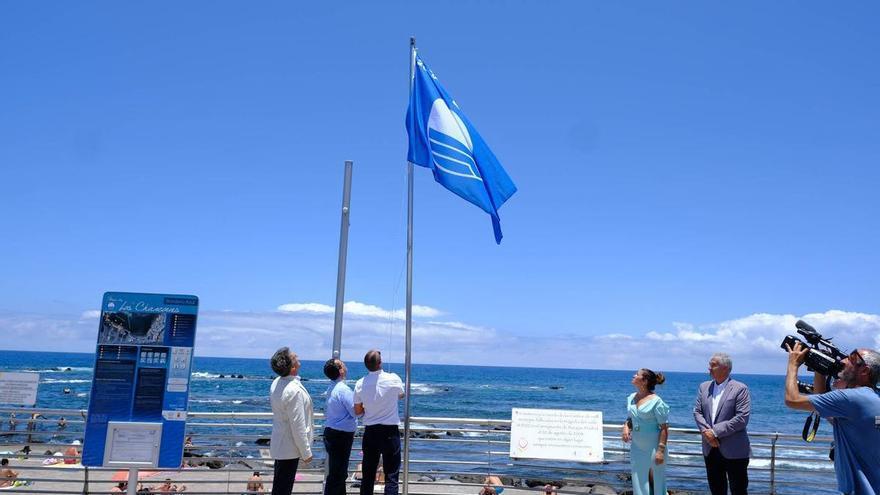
point(646, 421)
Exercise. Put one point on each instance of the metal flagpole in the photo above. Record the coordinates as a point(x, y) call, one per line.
point(409, 271)
point(343, 254)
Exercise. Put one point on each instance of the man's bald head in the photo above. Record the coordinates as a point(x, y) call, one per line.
point(373, 360)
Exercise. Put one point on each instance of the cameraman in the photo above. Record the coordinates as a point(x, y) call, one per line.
point(854, 409)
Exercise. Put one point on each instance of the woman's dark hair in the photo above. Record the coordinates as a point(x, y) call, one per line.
point(653, 378)
point(332, 369)
point(282, 362)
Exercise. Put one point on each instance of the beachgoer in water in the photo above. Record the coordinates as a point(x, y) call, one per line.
point(255, 484)
point(120, 487)
point(62, 423)
point(7, 475)
point(13, 423)
point(647, 429)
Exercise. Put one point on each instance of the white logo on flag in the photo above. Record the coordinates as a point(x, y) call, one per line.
point(452, 159)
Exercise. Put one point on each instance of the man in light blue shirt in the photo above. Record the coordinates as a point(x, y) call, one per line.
point(854, 411)
point(340, 424)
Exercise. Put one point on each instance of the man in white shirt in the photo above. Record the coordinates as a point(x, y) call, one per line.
point(292, 419)
point(376, 397)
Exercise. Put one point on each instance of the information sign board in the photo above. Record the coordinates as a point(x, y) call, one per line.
point(556, 434)
point(140, 389)
point(19, 388)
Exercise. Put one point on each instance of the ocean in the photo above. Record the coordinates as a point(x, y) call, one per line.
point(437, 390)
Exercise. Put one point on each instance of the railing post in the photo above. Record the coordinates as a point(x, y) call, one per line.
point(773, 464)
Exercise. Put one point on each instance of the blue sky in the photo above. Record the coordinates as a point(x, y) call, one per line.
point(680, 166)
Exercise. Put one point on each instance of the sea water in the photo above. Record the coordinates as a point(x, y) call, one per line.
point(437, 390)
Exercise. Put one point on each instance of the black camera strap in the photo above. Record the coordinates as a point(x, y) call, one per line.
point(811, 426)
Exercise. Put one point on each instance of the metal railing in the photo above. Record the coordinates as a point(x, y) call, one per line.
point(447, 455)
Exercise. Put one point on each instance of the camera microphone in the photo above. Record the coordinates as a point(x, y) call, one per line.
point(802, 325)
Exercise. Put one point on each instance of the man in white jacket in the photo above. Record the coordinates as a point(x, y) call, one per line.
point(292, 419)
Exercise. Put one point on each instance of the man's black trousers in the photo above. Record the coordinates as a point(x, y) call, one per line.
point(285, 474)
point(337, 444)
point(381, 440)
point(721, 470)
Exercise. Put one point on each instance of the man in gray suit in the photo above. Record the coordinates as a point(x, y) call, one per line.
point(722, 413)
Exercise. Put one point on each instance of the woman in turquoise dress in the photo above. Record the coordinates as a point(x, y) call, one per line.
point(647, 429)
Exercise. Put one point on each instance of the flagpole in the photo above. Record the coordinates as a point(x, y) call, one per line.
point(409, 278)
point(343, 255)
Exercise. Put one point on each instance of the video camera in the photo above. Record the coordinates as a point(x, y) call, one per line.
point(823, 357)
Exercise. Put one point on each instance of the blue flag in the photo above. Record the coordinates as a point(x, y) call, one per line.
point(443, 139)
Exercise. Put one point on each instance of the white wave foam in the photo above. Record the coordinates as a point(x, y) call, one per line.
point(204, 374)
point(786, 463)
point(59, 369)
point(207, 401)
point(237, 401)
point(82, 394)
point(425, 389)
point(55, 380)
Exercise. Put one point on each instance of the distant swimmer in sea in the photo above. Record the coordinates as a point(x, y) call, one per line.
point(62, 423)
point(13, 423)
point(647, 428)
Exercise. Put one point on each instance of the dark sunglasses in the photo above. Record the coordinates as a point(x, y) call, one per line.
point(857, 358)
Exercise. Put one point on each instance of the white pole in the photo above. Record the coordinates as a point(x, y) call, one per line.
point(132, 481)
point(343, 255)
point(409, 278)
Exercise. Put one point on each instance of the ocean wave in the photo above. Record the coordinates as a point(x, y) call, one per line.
point(58, 369)
point(237, 401)
point(787, 463)
point(55, 380)
point(425, 389)
point(204, 374)
point(208, 401)
point(82, 394)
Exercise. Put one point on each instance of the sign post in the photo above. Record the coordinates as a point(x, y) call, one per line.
point(140, 391)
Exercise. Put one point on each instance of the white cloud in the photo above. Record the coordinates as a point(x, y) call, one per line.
point(305, 308)
point(358, 309)
point(753, 341)
point(92, 314)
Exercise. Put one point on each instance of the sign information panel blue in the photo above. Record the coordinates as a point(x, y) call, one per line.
point(140, 388)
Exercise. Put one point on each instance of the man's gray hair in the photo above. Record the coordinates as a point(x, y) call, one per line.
point(872, 360)
point(723, 359)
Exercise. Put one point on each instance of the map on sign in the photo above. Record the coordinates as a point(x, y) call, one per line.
point(140, 389)
point(556, 434)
